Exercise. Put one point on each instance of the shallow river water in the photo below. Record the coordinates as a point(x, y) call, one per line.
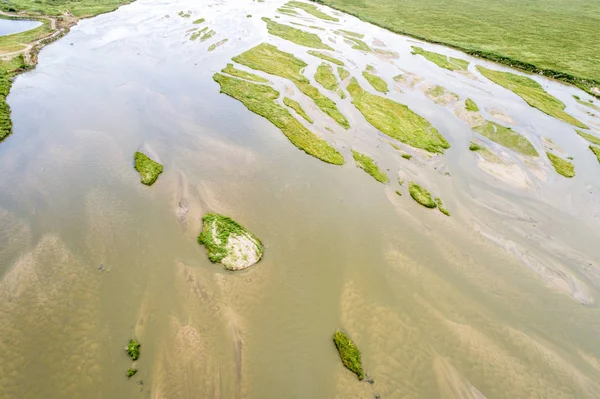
point(500, 300)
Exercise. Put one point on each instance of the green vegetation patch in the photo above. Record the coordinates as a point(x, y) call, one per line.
point(397, 120)
point(148, 169)
point(441, 95)
point(325, 77)
point(358, 44)
point(406, 156)
point(443, 61)
point(260, 99)
point(596, 151)
point(183, 14)
point(312, 10)
point(441, 206)
point(343, 73)
point(561, 166)
point(133, 349)
point(589, 104)
point(473, 146)
point(78, 8)
point(131, 372)
point(288, 11)
point(233, 71)
point(217, 44)
point(532, 92)
point(589, 137)
point(350, 33)
point(199, 21)
point(349, 353)
point(471, 106)
point(325, 57)
point(228, 243)
point(297, 107)
point(207, 35)
point(268, 58)
point(507, 137)
point(368, 165)
point(375, 81)
point(5, 122)
point(421, 195)
point(199, 33)
point(294, 35)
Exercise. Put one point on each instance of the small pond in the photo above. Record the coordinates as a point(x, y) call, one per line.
point(9, 26)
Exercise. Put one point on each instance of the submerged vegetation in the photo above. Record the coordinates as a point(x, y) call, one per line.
point(148, 169)
point(325, 57)
point(532, 92)
point(350, 33)
point(297, 107)
point(507, 137)
point(325, 77)
point(471, 106)
point(312, 10)
point(443, 61)
point(441, 95)
point(375, 81)
point(228, 243)
point(421, 195)
point(233, 71)
point(268, 58)
point(562, 166)
point(133, 349)
point(217, 44)
point(260, 99)
point(589, 137)
point(349, 353)
point(368, 165)
point(294, 35)
point(397, 120)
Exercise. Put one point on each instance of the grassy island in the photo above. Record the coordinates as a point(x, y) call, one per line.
point(148, 169)
point(421, 195)
point(562, 166)
point(349, 353)
point(368, 165)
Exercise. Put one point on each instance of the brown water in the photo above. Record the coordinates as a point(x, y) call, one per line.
point(499, 300)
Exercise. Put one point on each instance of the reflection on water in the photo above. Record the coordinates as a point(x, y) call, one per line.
point(11, 26)
point(498, 300)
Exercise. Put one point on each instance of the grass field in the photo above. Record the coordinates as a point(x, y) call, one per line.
point(552, 35)
point(79, 8)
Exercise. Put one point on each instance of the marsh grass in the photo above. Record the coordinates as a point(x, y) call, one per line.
point(596, 151)
point(133, 349)
point(312, 10)
point(471, 106)
point(268, 58)
point(343, 73)
point(358, 44)
point(368, 165)
point(589, 137)
point(507, 137)
point(260, 99)
point(233, 71)
point(421, 195)
point(349, 353)
point(375, 81)
point(397, 120)
point(149, 170)
point(294, 35)
point(199, 21)
point(561, 166)
point(532, 92)
point(474, 146)
point(297, 107)
point(406, 156)
point(207, 35)
point(325, 57)
point(325, 77)
point(441, 206)
point(78, 8)
point(350, 33)
point(443, 61)
point(131, 372)
point(217, 44)
point(215, 236)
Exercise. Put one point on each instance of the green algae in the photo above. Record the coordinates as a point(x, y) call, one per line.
point(199, 21)
point(297, 107)
point(294, 35)
point(443, 61)
point(343, 73)
point(596, 151)
point(421, 195)
point(589, 137)
point(217, 234)
point(325, 77)
point(368, 165)
point(507, 137)
point(268, 58)
point(233, 71)
point(532, 92)
point(260, 99)
point(397, 120)
point(148, 169)
point(217, 44)
point(312, 10)
point(471, 106)
point(349, 353)
point(561, 166)
point(441, 206)
point(325, 57)
point(375, 81)
point(133, 349)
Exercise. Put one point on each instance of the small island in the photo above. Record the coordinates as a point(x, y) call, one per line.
point(149, 169)
point(349, 353)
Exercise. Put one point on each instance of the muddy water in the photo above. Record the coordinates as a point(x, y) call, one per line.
point(500, 300)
